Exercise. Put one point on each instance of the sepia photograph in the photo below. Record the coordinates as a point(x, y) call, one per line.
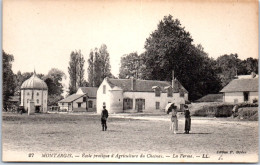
point(153, 81)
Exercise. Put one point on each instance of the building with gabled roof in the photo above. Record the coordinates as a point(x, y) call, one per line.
point(83, 100)
point(134, 95)
point(34, 94)
point(243, 89)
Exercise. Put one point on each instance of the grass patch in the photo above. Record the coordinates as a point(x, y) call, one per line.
point(82, 133)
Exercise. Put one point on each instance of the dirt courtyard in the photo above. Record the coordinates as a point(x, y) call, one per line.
point(81, 138)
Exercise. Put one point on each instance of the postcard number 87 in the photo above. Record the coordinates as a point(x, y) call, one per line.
point(30, 154)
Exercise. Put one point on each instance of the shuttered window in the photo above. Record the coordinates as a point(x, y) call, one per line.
point(90, 104)
point(169, 92)
point(157, 105)
point(157, 92)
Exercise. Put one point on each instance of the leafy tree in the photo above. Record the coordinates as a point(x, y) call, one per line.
point(131, 65)
point(249, 65)
point(53, 80)
point(98, 66)
point(227, 67)
point(53, 99)
point(73, 72)
point(8, 77)
point(76, 71)
point(18, 80)
point(169, 48)
point(81, 70)
point(97, 69)
point(104, 62)
point(91, 71)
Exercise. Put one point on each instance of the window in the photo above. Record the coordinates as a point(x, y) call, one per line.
point(84, 99)
point(157, 92)
point(104, 89)
point(181, 93)
point(69, 104)
point(62, 103)
point(37, 101)
point(169, 92)
point(157, 105)
point(28, 93)
point(37, 94)
point(246, 94)
point(79, 105)
point(127, 103)
point(90, 104)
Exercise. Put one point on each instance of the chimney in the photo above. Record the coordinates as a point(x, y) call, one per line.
point(173, 79)
point(253, 74)
point(133, 83)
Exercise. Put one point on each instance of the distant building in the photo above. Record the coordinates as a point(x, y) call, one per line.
point(133, 95)
point(34, 94)
point(83, 100)
point(243, 89)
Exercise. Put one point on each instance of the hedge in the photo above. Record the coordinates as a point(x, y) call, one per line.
point(221, 110)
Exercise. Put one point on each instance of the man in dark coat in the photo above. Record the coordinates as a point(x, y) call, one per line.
point(187, 119)
point(104, 116)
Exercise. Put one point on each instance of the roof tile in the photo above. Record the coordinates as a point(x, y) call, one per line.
point(91, 91)
point(242, 85)
point(70, 98)
point(144, 85)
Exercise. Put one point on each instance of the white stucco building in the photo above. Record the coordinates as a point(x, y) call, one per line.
point(83, 100)
point(243, 89)
point(34, 91)
point(133, 95)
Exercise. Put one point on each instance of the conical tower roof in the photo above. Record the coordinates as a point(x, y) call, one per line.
point(34, 82)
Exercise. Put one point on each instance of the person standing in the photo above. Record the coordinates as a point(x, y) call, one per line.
point(174, 119)
point(234, 111)
point(187, 119)
point(104, 116)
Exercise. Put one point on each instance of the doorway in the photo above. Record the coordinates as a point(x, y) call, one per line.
point(246, 94)
point(37, 109)
point(139, 105)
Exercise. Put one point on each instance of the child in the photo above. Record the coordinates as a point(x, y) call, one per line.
point(187, 119)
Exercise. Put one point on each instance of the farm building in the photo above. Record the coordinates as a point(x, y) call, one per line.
point(134, 95)
point(243, 89)
point(34, 94)
point(83, 100)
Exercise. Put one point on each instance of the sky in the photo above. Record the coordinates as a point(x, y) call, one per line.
point(41, 34)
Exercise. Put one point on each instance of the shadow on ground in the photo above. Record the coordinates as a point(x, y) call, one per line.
point(195, 133)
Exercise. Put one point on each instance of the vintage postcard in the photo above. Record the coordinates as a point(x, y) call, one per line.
point(130, 81)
